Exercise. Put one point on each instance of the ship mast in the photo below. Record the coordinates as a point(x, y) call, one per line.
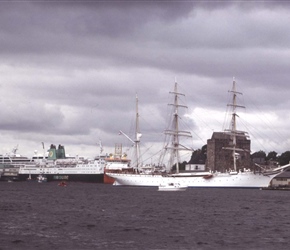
point(175, 133)
point(136, 141)
point(137, 138)
point(233, 125)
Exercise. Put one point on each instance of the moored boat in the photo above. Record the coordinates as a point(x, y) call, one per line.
point(58, 167)
point(116, 163)
point(41, 178)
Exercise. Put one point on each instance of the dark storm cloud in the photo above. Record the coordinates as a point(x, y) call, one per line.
point(53, 23)
point(123, 35)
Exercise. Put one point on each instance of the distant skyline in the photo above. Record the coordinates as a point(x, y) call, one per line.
point(70, 71)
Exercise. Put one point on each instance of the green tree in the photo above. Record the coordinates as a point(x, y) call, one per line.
point(198, 156)
point(204, 149)
point(272, 156)
point(181, 166)
point(284, 158)
point(259, 154)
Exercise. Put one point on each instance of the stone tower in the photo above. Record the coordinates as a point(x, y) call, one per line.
point(221, 159)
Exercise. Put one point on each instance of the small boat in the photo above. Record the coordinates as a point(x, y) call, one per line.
point(62, 184)
point(41, 179)
point(171, 187)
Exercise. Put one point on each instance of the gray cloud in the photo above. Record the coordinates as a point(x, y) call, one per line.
point(69, 71)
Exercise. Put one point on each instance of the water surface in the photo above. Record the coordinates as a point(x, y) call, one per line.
point(98, 216)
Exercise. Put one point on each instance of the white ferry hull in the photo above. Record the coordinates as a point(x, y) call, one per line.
point(218, 180)
point(96, 178)
point(81, 172)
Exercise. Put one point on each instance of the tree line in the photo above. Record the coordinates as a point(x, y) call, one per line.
point(199, 157)
point(273, 156)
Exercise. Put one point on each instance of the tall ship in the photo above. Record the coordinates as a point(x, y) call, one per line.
point(10, 164)
point(57, 166)
point(231, 177)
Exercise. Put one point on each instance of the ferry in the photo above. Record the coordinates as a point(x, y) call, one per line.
point(58, 167)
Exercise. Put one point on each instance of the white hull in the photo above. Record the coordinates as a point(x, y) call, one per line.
point(171, 187)
point(80, 172)
point(218, 180)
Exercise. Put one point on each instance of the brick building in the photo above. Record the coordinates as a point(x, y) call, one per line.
point(221, 159)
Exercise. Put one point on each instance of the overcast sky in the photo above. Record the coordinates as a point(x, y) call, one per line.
point(70, 70)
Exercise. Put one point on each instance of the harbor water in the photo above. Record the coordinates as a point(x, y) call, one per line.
point(98, 216)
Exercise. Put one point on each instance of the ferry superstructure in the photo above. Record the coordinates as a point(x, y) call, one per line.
point(10, 164)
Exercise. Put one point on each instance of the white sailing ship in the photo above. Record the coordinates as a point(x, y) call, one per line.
point(242, 178)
